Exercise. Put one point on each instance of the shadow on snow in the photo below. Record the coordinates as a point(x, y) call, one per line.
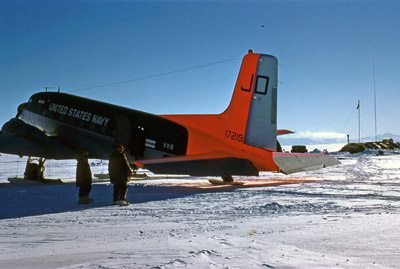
point(30, 200)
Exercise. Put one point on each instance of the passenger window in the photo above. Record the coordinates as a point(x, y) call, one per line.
point(262, 85)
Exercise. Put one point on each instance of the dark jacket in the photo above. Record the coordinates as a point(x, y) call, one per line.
point(119, 168)
point(83, 173)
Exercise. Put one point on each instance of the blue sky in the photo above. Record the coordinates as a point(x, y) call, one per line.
point(326, 51)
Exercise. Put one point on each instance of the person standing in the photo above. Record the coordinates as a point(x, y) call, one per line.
point(83, 178)
point(120, 172)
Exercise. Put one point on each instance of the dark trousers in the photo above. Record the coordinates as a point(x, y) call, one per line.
point(120, 191)
point(84, 189)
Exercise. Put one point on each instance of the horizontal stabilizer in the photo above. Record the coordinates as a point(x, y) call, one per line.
point(292, 163)
point(200, 165)
point(283, 132)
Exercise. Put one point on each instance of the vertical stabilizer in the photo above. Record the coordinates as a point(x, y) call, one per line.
point(253, 106)
point(261, 125)
point(251, 115)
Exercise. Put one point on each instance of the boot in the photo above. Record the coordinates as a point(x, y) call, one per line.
point(85, 200)
point(124, 203)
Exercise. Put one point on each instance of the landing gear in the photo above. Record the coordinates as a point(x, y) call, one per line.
point(34, 174)
point(34, 169)
point(226, 180)
point(134, 168)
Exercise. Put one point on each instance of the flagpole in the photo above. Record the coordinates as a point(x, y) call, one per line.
point(359, 124)
point(376, 139)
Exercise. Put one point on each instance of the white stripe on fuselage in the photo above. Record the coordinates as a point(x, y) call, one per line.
point(150, 143)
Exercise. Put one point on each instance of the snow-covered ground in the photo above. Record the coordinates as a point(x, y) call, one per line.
point(346, 216)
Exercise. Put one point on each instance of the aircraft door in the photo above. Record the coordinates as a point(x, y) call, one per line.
point(123, 130)
point(138, 139)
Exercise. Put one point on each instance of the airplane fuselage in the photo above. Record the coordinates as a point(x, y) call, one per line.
point(99, 126)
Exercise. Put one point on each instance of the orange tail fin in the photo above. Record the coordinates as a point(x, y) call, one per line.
point(251, 116)
point(254, 101)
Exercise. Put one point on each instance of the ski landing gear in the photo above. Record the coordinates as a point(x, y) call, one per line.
point(34, 174)
point(34, 169)
point(226, 180)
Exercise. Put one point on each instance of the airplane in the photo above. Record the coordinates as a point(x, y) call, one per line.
point(241, 141)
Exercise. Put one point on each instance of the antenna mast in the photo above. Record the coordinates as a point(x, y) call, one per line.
point(375, 99)
point(359, 124)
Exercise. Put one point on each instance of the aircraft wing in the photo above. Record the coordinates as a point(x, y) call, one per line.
point(209, 164)
point(296, 162)
point(19, 138)
point(50, 148)
point(221, 164)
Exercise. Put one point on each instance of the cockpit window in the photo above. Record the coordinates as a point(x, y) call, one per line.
point(262, 85)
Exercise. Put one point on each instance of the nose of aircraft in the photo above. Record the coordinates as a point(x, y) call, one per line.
point(20, 108)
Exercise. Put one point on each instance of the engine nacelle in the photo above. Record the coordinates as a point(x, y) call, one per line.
point(17, 127)
point(22, 139)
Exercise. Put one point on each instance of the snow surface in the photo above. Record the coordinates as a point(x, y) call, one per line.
point(346, 216)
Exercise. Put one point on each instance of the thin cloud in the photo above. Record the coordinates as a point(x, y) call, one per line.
point(318, 135)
